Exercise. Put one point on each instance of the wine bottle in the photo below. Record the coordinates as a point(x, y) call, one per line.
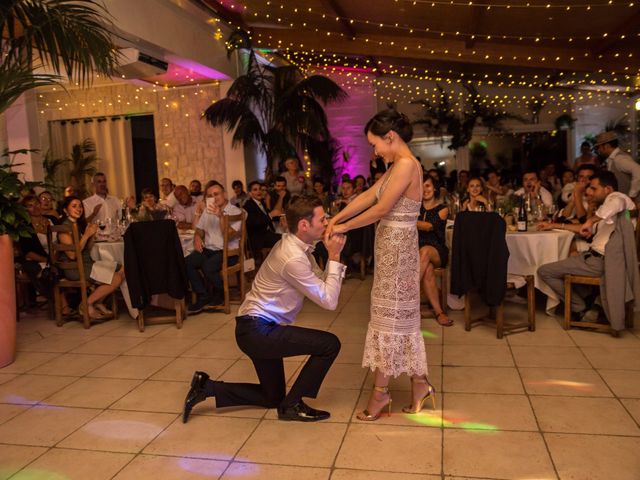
point(522, 217)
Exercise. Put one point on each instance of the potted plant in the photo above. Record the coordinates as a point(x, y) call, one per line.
point(73, 39)
point(14, 223)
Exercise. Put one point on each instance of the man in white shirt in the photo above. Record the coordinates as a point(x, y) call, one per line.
point(185, 209)
point(168, 198)
point(264, 331)
point(626, 170)
point(602, 192)
point(208, 243)
point(532, 186)
point(101, 205)
point(577, 204)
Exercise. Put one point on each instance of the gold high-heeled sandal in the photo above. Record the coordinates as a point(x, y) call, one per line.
point(366, 416)
point(431, 393)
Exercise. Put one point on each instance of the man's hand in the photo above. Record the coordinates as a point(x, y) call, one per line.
point(585, 229)
point(536, 187)
point(281, 193)
point(544, 226)
point(198, 245)
point(335, 244)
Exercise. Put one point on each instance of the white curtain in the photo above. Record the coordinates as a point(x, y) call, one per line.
point(112, 137)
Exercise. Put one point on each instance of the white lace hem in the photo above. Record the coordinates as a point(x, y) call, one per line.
point(395, 353)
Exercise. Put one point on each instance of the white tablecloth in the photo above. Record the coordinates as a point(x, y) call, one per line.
point(532, 249)
point(114, 252)
point(528, 251)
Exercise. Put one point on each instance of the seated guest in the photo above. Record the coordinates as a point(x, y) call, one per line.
point(434, 252)
point(359, 184)
point(297, 182)
point(475, 199)
point(185, 209)
point(320, 191)
point(168, 198)
point(266, 195)
point(260, 229)
point(347, 194)
point(108, 278)
point(550, 180)
point(532, 188)
point(568, 177)
point(437, 177)
point(101, 205)
point(462, 182)
point(240, 196)
point(574, 195)
point(606, 220)
point(496, 191)
point(208, 243)
point(47, 206)
point(195, 190)
point(280, 196)
point(34, 248)
point(150, 209)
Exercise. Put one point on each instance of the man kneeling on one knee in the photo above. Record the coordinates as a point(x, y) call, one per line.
point(609, 224)
point(263, 325)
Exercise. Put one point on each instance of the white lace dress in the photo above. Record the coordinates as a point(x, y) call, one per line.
point(394, 343)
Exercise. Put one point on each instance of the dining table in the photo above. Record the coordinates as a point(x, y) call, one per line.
point(527, 252)
point(110, 247)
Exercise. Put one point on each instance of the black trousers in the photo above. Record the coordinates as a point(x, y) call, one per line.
point(267, 343)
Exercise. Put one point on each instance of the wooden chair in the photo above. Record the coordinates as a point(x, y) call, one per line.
point(496, 314)
point(180, 312)
point(570, 280)
point(238, 267)
point(55, 249)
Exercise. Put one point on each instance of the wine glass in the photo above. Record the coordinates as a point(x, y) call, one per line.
point(551, 212)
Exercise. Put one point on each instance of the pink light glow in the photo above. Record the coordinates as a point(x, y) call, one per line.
point(185, 72)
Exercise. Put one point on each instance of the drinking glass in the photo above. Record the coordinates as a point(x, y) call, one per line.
point(551, 212)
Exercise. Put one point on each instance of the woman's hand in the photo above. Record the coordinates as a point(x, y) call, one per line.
point(329, 230)
point(544, 226)
point(340, 228)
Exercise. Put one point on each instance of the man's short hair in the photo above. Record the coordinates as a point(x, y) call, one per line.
point(254, 182)
point(606, 179)
point(97, 174)
point(236, 183)
point(586, 166)
point(301, 208)
point(349, 181)
point(530, 171)
point(585, 144)
point(280, 178)
point(147, 191)
point(212, 183)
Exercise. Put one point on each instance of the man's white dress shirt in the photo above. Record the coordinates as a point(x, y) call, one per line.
point(289, 274)
point(111, 207)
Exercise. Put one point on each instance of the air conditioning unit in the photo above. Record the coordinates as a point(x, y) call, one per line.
point(135, 64)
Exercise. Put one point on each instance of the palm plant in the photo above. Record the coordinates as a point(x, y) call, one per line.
point(83, 158)
point(67, 37)
point(277, 109)
point(51, 166)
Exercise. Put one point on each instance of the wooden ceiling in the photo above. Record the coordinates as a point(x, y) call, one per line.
point(547, 43)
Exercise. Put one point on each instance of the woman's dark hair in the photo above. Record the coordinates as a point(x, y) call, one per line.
point(437, 184)
point(82, 221)
point(386, 120)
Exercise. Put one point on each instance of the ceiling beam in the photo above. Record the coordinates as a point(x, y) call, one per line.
point(487, 53)
point(477, 15)
point(339, 11)
point(225, 14)
point(624, 28)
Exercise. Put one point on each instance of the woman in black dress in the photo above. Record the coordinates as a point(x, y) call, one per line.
point(431, 240)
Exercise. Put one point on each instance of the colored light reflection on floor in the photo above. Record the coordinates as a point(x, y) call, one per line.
point(578, 386)
point(35, 474)
point(434, 421)
point(209, 468)
point(428, 334)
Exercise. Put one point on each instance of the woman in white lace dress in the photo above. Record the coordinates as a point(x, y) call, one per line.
point(394, 343)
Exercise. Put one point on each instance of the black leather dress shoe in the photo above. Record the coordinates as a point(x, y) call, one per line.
point(301, 412)
point(195, 395)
